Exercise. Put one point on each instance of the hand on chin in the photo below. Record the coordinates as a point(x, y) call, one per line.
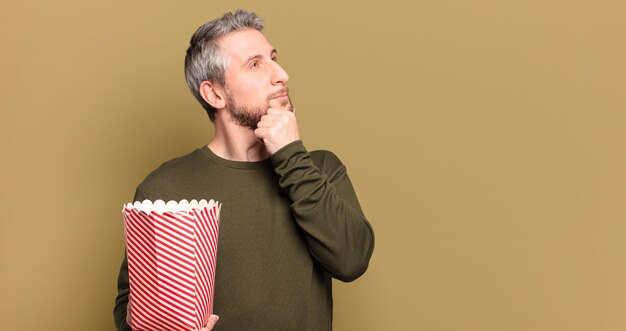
point(277, 128)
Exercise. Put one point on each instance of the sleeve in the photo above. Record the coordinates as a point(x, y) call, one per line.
point(326, 208)
point(123, 287)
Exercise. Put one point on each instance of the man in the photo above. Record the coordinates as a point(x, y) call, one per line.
point(290, 220)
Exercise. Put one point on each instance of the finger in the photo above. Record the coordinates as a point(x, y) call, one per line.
point(261, 133)
point(273, 119)
point(265, 123)
point(273, 116)
point(278, 111)
point(212, 320)
point(128, 317)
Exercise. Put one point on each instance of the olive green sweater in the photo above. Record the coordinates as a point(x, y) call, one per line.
point(288, 224)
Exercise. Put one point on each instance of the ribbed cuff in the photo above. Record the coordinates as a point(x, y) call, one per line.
point(287, 152)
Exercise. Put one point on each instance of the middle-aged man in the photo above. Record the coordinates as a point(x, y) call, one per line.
point(290, 219)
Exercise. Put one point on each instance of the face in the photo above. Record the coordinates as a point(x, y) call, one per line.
point(254, 80)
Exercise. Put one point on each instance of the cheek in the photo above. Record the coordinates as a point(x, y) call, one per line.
point(254, 93)
point(249, 90)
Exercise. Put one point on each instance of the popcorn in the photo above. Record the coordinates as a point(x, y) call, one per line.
point(171, 249)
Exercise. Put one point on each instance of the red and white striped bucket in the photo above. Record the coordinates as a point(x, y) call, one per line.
point(171, 249)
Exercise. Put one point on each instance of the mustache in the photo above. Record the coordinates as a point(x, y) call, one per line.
point(283, 91)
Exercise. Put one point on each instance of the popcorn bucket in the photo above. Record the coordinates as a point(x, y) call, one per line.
point(171, 250)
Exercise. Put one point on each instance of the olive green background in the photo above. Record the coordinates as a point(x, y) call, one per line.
point(485, 139)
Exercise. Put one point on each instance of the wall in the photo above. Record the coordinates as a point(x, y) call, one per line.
point(485, 140)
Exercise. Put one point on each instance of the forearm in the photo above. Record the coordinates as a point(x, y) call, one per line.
point(326, 208)
point(121, 301)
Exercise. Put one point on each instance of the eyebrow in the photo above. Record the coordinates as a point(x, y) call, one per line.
point(274, 52)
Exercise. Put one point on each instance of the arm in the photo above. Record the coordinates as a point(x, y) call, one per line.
point(121, 301)
point(326, 208)
point(324, 205)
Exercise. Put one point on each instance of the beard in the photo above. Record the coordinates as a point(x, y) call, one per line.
point(250, 116)
point(245, 116)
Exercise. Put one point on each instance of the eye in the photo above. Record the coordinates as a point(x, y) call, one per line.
point(254, 64)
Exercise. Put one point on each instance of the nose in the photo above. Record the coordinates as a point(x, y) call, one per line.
point(279, 75)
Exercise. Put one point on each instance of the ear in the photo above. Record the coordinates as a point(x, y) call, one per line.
point(213, 94)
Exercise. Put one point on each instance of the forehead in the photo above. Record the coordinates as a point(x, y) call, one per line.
point(238, 46)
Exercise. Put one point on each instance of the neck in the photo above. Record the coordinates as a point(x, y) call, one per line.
point(236, 143)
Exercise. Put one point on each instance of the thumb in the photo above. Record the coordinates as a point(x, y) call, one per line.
point(211, 323)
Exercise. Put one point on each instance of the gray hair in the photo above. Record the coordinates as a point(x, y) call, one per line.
point(204, 60)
